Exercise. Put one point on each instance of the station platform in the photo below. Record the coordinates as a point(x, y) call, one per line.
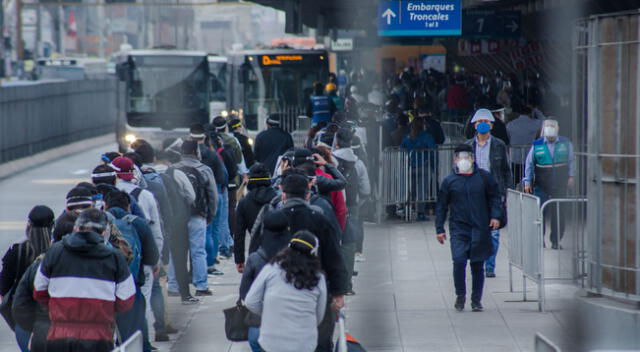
point(405, 294)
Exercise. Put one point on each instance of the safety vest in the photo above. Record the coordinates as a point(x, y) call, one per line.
point(551, 172)
point(321, 109)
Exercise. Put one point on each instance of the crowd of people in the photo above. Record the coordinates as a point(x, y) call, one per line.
point(178, 209)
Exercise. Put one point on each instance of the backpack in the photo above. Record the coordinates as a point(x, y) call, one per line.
point(117, 241)
point(200, 207)
point(348, 169)
point(130, 234)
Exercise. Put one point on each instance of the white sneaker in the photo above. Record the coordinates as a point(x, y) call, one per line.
point(360, 258)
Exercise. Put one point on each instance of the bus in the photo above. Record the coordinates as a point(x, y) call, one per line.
point(165, 91)
point(274, 81)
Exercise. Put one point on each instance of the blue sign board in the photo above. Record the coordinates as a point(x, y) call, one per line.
point(420, 18)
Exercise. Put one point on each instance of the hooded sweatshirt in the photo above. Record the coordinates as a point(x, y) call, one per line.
point(246, 214)
point(84, 283)
point(347, 154)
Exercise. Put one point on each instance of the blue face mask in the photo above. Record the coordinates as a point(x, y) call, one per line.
point(483, 127)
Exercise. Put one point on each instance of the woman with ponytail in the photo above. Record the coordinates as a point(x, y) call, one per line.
point(291, 296)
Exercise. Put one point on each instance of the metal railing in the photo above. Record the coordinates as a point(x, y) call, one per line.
point(133, 344)
point(410, 179)
point(526, 241)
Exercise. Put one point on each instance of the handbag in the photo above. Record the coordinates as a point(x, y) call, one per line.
point(234, 323)
point(7, 300)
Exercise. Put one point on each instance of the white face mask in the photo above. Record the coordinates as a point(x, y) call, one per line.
point(550, 131)
point(464, 165)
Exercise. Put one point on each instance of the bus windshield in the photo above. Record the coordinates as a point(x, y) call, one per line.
point(218, 72)
point(167, 84)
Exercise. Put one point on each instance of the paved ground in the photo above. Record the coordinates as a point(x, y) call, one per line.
point(404, 291)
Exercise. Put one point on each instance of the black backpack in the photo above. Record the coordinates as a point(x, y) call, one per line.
point(348, 170)
point(201, 206)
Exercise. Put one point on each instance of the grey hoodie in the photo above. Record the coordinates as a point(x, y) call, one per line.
point(364, 187)
point(207, 174)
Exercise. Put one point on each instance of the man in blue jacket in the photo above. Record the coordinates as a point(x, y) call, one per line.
point(471, 198)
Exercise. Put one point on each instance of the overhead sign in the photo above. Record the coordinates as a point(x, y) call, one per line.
point(489, 24)
point(342, 44)
point(279, 59)
point(420, 18)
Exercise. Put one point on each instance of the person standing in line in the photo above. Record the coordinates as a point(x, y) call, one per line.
point(84, 283)
point(522, 132)
point(202, 212)
point(470, 199)
point(271, 143)
point(490, 154)
point(549, 173)
point(20, 256)
point(290, 295)
point(246, 144)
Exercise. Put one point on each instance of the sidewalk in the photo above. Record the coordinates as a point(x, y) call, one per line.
point(404, 302)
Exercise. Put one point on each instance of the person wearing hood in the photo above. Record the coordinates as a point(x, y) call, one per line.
point(549, 172)
point(358, 188)
point(17, 261)
point(490, 154)
point(275, 239)
point(260, 193)
point(84, 283)
point(469, 197)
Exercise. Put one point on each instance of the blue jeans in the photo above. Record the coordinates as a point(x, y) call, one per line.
point(197, 238)
point(23, 336)
point(157, 305)
point(490, 264)
point(213, 232)
point(254, 334)
point(225, 232)
point(134, 319)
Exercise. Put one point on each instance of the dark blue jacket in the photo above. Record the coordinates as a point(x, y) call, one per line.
point(471, 202)
point(423, 141)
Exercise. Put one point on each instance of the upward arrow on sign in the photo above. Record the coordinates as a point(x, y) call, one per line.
point(388, 14)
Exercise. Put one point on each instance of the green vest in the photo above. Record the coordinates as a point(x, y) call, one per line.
point(551, 172)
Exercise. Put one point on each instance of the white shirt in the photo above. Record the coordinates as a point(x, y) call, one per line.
point(149, 206)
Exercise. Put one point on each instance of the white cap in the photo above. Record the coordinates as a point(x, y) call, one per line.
point(482, 114)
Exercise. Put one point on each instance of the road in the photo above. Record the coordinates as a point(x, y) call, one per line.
point(404, 290)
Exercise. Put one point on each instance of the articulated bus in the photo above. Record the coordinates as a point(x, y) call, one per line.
point(165, 91)
point(274, 81)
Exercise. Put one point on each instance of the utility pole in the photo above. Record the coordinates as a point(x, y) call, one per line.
point(101, 28)
point(61, 33)
point(38, 51)
point(19, 44)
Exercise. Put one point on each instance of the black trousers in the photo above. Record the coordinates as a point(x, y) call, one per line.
point(556, 219)
point(325, 329)
point(75, 345)
point(179, 240)
point(477, 279)
point(233, 201)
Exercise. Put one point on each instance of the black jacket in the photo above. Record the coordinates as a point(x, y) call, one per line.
point(28, 313)
point(13, 270)
point(326, 185)
point(246, 214)
point(247, 151)
point(500, 165)
point(212, 160)
point(270, 144)
point(302, 216)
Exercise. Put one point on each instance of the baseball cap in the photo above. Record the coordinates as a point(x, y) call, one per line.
point(123, 167)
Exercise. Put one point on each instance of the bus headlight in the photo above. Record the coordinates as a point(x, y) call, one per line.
point(250, 141)
point(224, 113)
point(130, 138)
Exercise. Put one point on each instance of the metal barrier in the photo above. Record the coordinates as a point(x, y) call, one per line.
point(543, 344)
point(526, 241)
point(133, 344)
point(411, 179)
point(41, 116)
point(454, 131)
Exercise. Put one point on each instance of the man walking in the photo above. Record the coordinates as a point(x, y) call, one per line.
point(522, 132)
point(84, 283)
point(472, 202)
point(550, 169)
point(491, 155)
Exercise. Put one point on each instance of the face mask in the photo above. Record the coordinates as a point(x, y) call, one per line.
point(483, 127)
point(550, 131)
point(464, 165)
